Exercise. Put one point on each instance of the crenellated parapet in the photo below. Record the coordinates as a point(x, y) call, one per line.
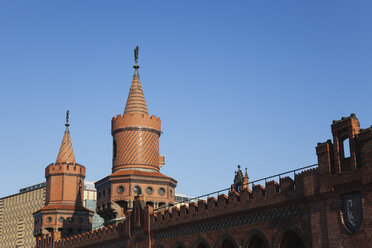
point(111, 232)
point(68, 168)
point(350, 149)
point(64, 182)
point(273, 193)
point(46, 240)
point(135, 120)
point(116, 235)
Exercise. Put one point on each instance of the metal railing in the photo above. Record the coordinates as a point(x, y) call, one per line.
point(250, 185)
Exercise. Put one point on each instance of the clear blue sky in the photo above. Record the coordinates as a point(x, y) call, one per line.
point(255, 83)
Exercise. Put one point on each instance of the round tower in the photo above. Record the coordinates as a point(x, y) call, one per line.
point(135, 134)
point(135, 139)
point(136, 161)
point(64, 213)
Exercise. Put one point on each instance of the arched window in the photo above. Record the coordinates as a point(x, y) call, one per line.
point(180, 244)
point(226, 241)
point(290, 236)
point(255, 238)
point(257, 242)
point(201, 243)
point(291, 240)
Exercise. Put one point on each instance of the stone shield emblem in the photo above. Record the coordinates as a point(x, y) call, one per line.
point(353, 212)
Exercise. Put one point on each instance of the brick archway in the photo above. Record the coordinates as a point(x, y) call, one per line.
point(290, 236)
point(201, 243)
point(255, 238)
point(226, 241)
point(179, 244)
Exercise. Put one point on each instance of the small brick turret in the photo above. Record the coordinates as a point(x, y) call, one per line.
point(344, 153)
point(240, 181)
point(64, 175)
point(64, 213)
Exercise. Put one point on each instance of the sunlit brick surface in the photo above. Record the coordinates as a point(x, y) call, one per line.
point(136, 101)
point(137, 148)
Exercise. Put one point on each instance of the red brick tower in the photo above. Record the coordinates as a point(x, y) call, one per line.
point(136, 160)
point(64, 212)
point(133, 130)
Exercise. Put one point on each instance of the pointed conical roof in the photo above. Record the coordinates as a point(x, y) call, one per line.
point(66, 153)
point(136, 100)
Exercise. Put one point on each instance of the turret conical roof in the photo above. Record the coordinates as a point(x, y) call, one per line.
point(66, 153)
point(136, 100)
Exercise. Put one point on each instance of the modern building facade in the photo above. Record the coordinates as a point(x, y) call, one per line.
point(16, 220)
point(90, 202)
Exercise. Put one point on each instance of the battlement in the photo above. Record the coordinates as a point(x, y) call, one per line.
point(67, 168)
point(46, 240)
point(344, 119)
point(304, 183)
point(365, 130)
point(93, 236)
point(350, 148)
point(135, 120)
point(346, 126)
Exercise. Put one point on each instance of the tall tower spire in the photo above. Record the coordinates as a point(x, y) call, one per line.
point(66, 153)
point(136, 134)
point(136, 100)
point(136, 160)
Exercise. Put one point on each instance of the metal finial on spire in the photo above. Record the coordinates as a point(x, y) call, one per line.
point(136, 54)
point(67, 118)
point(136, 66)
